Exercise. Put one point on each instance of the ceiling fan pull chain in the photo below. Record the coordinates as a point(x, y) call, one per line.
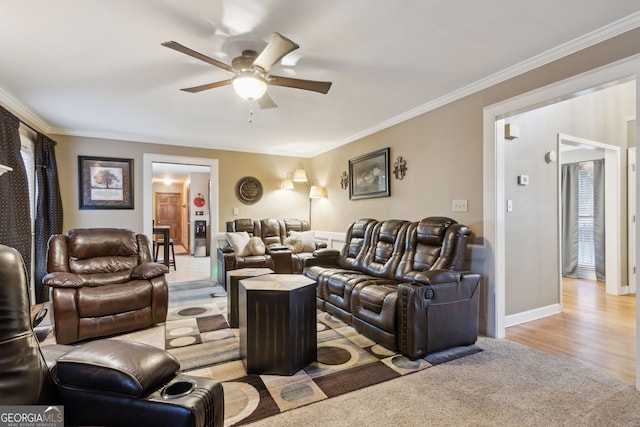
point(251, 111)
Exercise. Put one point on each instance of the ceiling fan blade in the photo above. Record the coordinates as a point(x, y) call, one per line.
point(200, 88)
point(183, 49)
point(322, 87)
point(277, 48)
point(265, 102)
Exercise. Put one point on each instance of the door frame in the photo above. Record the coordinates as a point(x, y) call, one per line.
point(494, 200)
point(612, 198)
point(147, 190)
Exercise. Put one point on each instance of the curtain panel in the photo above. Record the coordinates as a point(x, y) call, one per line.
point(570, 220)
point(48, 219)
point(15, 214)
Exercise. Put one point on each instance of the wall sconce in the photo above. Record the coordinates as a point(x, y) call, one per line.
point(400, 168)
point(287, 183)
point(511, 131)
point(344, 180)
point(300, 175)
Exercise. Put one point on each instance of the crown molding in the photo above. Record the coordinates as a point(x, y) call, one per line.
point(23, 113)
point(604, 33)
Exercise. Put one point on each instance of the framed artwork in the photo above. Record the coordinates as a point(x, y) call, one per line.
point(105, 183)
point(369, 175)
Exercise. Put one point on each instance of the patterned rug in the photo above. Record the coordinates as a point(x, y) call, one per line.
point(198, 335)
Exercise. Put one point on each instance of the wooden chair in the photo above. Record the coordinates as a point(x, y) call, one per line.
point(160, 242)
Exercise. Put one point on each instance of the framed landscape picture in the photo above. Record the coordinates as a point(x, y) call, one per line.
point(105, 183)
point(369, 175)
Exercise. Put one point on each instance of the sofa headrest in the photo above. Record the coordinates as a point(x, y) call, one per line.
point(359, 227)
point(294, 224)
point(241, 224)
point(389, 230)
point(101, 242)
point(431, 230)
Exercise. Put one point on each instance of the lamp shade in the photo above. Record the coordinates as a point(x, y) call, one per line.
point(317, 192)
point(287, 184)
point(249, 86)
point(300, 175)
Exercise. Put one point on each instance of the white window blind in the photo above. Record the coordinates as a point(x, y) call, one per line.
point(586, 245)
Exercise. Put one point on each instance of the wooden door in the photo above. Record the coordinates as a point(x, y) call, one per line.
point(169, 212)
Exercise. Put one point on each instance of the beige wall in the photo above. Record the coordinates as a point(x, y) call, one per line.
point(533, 224)
point(270, 170)
point(443, 149)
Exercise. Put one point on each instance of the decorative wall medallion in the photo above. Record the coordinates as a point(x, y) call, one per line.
point(249, 190)
point(344, 180)
point(400, 168)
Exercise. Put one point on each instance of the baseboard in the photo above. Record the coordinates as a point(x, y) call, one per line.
point(528, 316)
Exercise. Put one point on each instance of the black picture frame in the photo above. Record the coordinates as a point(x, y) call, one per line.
point(105, 182)
point(369, 175)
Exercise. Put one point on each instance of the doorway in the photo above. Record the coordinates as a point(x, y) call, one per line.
point(168, 211)
point(494, 175)
point(574, 148)
point(211, 194)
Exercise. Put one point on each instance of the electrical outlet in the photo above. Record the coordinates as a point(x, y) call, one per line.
point(459, 206)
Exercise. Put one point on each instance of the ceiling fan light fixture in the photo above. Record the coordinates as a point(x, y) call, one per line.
point(249, 86)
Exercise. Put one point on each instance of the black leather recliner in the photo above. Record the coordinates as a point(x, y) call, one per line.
point(100, 383)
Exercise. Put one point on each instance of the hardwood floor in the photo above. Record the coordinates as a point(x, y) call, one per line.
point(594, 328)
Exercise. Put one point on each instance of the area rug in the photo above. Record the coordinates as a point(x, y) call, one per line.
point(199, 336)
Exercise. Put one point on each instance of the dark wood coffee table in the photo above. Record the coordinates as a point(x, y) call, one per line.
point(278, 332)
point(233, 277)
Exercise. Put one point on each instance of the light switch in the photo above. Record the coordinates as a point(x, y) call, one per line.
point(459, 206)
point(235, 212)
point(509, 205)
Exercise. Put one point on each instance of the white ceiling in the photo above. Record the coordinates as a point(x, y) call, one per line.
point(96, 67)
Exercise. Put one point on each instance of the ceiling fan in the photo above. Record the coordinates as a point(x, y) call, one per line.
point(251, 71)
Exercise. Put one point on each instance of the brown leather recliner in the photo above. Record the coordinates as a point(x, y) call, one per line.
point(104, 282)
point(102, 382)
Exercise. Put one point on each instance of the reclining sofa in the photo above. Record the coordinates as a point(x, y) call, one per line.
point(401, 284)
point(273, 234)
point(99, 383)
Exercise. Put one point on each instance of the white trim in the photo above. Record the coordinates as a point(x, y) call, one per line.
point(614, 29)
point(493, 170)
point(23, 113)
point(619, 27)
point(147, 190)
point(493, 173)
point(535, 314)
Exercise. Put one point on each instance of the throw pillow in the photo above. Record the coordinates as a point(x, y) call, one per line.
point(256, 246)
point(240, 242)
point(308, 239)
point(294, 244)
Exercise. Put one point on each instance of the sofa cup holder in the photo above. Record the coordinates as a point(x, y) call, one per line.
point(178, 389)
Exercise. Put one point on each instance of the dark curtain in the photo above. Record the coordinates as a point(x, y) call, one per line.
point(570, 220)
point(598, 219)
point(48, 209)
point(15, 215)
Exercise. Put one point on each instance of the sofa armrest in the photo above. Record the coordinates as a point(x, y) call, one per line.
point(320, 244)
point(149, 270)
point(113, 366)
point(440, 315)
point(225, 249)
point(324, 256)
point(63, 280)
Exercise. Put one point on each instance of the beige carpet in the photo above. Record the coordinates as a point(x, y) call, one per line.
point(505, 385)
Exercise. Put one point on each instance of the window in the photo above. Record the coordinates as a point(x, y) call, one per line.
point(28, 158)
point(586, 243)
